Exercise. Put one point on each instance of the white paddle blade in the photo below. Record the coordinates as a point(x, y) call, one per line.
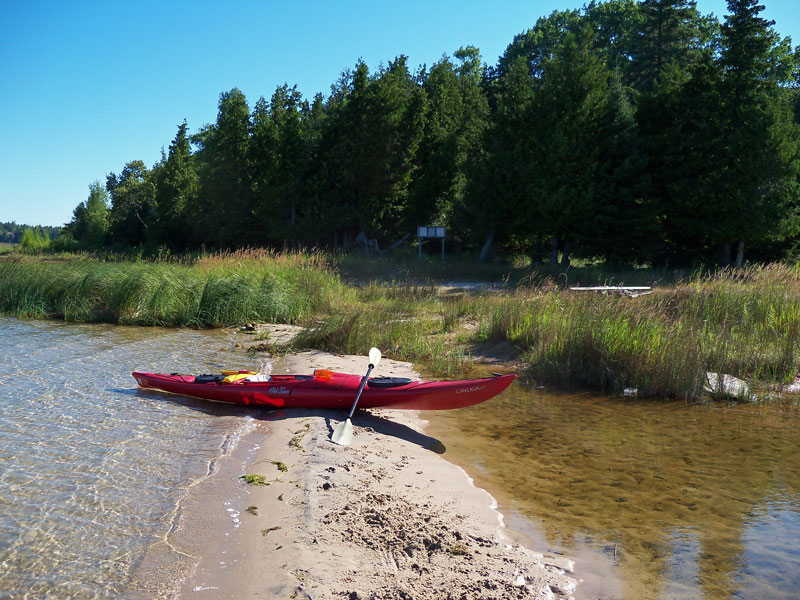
point(374, 356)
point(343, 433)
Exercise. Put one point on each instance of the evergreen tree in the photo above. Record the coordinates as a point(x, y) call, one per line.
point(757, 136)
point(456, 113)
point(501, 206)
point(132, 204)
point(670, 31)
point(263, 169)
point(331, 206)
point(311, 228)
point(280, 163)
point(567, 129)
point(368, 152)
point(223, 214)
point(474, 120)
point(176, 190)
point(432, 189)
point(686, 159)
point(624, 213)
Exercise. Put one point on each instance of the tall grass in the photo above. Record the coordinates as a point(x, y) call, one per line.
point(604, 342)
point(745, 322)
point(405, 322)
point(215, 291)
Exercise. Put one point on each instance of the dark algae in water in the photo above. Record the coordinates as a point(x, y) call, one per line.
point(684, 500)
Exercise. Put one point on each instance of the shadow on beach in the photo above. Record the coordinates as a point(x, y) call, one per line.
point(362, 418)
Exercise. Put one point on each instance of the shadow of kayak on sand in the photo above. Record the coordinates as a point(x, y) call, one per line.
point(361, 420)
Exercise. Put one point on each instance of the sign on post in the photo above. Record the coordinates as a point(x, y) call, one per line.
point(429, 232)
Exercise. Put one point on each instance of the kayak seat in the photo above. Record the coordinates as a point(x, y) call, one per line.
point(388, 382)
point(209, 379)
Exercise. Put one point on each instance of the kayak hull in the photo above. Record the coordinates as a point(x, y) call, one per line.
point(337, 390)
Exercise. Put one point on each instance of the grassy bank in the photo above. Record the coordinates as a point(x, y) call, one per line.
point(664, 343)
point(745, 323)
point(214, 291)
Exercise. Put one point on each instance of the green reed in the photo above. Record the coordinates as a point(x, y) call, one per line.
point(744, 322)
point(213, 292)
point(402, 330)
point(600, 341)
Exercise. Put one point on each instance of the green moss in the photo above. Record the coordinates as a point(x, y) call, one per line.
point(254, 479)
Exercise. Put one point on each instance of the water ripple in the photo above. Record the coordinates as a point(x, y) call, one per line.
point(92, 472)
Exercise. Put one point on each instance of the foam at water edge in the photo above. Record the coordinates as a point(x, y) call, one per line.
point(227, 447)
point(493, 501)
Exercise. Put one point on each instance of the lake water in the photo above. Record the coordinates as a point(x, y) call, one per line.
point(111, 492)
point(655, 500)
point(100, 483)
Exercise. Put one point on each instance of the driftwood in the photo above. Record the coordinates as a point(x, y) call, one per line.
point(633, 291)
point(397, 243)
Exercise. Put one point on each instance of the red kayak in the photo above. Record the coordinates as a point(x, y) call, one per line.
point(327, 389)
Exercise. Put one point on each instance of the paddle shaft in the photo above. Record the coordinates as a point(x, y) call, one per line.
point(360, 389)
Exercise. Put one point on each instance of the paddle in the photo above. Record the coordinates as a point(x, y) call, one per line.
point(343, 434)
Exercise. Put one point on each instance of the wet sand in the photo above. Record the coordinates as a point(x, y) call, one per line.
point(384, 518)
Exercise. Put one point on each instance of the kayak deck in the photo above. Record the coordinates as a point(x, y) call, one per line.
point(327, 389)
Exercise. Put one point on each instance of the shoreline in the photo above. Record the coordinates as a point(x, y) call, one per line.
point(386, 517)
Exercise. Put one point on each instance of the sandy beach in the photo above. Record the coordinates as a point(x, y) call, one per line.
point(387, 517)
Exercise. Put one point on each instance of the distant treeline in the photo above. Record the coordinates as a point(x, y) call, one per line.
point(629, 131)
point(11, 233)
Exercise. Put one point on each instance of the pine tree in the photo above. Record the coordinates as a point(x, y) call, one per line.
point(566, 131)
point(176, 190)
point(223, 214)
point(758, 138)
point(670, 31)
point(624, 212)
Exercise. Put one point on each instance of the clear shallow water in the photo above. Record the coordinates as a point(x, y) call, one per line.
point(655, 500)
point(109, 492)
point(95, 476)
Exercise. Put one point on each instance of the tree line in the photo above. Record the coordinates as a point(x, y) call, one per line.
point(634, 132)
point(12, 232)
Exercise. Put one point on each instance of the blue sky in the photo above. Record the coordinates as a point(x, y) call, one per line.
point(87, 86)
